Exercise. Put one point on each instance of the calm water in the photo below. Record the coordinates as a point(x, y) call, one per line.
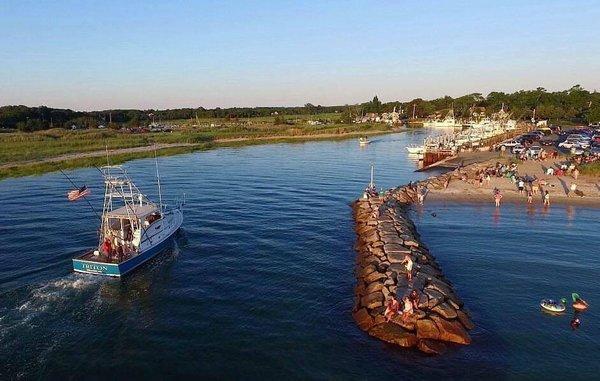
point(260, 282)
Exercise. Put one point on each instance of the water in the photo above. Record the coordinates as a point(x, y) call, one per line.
point(260, 282)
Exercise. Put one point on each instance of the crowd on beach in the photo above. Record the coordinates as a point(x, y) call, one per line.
point(526, 185)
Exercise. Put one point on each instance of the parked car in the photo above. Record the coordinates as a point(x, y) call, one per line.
point(519, 148)
point(534, 151)
point(576, 150)
point(574, 142)
point(509, 143)
point(547, 142)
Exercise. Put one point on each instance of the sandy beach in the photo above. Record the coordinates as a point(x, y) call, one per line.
point(558, 186)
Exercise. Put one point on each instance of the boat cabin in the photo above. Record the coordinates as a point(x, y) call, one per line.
point(123, 231)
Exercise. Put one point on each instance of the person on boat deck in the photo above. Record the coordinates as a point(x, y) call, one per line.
point(106, 246)
point(120, 253)
point(392, 307)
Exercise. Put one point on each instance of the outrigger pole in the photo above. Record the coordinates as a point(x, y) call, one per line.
point(158, 182)
point(88, 201)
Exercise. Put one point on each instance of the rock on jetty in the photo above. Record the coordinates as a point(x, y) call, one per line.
point(385, 236)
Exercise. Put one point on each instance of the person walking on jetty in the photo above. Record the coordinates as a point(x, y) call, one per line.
point(497, 197)
point(546, 198)
point(421, 193)
point(408, 262)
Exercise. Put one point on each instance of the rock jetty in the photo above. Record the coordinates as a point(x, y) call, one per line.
point(385, 237)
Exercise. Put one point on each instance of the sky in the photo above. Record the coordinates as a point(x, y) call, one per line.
point(97, 55)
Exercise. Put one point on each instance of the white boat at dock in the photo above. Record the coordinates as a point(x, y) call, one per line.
point(448, 122)
point(414, 149)
point(133, 229)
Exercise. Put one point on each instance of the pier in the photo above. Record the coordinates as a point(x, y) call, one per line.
point(385, 237)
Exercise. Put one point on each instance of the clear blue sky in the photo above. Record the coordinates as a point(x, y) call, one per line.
point(167, 54)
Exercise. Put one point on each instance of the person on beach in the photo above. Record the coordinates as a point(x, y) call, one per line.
point(488, 179)
point(546, 198)
point(535, 187)
point(391, 308)
point(575, 173)
point(408, 262)
point(521, 186)
point(447, 182)
point(572, 190)
point(550, 171)
point(497, 197)
point(530, 197)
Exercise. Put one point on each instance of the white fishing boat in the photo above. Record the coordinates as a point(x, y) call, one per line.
point(414, 149)
point(363, 141)
point(448, 122)
point(133, 229)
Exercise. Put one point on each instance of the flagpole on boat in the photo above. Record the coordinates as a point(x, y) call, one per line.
point(158, 182)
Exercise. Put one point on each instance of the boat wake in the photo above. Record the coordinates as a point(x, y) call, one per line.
point(25, 306)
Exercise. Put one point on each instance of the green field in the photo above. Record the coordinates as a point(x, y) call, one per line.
point(592, 169)
point(18, 150)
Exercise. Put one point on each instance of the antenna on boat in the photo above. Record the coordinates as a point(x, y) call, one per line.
point(158, 181)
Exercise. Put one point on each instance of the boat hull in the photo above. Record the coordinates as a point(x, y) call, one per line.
point(81, 265)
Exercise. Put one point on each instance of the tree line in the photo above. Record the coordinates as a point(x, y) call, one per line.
point(576, 105)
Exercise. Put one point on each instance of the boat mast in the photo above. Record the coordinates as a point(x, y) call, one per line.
point(158, 182)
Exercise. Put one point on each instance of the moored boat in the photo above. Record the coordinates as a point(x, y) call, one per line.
point(415, 149)
point(133, 229)
point(553, 306)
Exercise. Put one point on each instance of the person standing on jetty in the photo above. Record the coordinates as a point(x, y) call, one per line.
point(392, 307)
point(408, 262)
point(407, 309)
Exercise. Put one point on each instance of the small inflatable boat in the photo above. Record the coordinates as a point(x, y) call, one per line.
point(553, 306)
point(578, 303)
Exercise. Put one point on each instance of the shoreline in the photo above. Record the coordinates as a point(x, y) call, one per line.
point(461, 191)
point(121, 155)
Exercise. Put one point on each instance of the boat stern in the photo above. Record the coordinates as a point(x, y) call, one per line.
point(96, 268)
